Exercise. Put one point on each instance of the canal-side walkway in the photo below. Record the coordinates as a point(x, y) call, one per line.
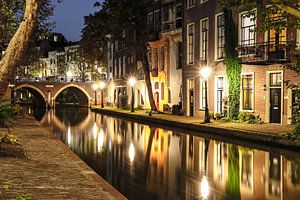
point(270, 134)
point(51, 170)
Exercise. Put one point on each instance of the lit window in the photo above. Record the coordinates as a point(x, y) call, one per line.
point(220, 33)
point(247, 91)
point(190, 42)
point(247, 28)
point(155, 58)
point(162, 58)
point(204, 39)
point(190, 3)
point(202, 94)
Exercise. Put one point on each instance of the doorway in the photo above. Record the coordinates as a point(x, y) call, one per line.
point(190, 97)
point(275, 97)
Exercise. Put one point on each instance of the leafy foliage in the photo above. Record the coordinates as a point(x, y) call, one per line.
point(10, 139)
point(233, 71)
point(249, 118)
point(8, 112)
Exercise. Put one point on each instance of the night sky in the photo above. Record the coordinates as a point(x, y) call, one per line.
point(68, 16)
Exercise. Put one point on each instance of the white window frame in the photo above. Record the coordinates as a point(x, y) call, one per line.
point(188, 6)
point(216, 37)
point(201, 37)
point(202, 84)
point(216, 90)
point(240, 25)
point(241, 93)
point(187, 46)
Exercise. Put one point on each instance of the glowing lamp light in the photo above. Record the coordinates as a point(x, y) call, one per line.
point(95, 86)
point(204, 187)
point(205, 72)
point(131, 152)
point(69, 73)
point(101, 85)
point(132, 81)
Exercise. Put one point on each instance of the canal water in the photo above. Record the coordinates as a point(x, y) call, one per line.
point(147, 162)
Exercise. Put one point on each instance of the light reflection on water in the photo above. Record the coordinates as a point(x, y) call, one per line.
point(146, 162)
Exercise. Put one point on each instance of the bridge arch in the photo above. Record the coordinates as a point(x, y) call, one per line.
point(84, 99)
point(39, 100)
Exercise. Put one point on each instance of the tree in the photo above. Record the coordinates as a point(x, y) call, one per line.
point(18, 33)
point(130, 16)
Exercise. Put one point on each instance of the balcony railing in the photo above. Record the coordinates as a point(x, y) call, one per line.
point(264, 53)
point(171, 25)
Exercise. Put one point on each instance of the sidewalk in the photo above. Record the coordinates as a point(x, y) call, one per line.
point(264, 133)
point(51, 171)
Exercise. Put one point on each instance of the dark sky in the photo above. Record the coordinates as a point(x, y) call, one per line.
point(68, 16)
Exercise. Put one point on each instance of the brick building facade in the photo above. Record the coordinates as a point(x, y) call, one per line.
point(262, 54)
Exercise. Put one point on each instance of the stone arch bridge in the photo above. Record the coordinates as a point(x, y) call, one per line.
point(46, 93)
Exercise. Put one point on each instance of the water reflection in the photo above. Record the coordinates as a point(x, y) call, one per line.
point(151, 163)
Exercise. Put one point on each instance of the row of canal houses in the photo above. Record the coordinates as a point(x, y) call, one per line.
point(188, 36)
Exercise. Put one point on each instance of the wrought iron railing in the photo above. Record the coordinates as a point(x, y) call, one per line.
point(266, 52)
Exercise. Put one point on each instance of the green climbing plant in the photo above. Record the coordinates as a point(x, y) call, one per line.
point(233, 66)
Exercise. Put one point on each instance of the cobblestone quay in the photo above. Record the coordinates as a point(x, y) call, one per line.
point(51, 170)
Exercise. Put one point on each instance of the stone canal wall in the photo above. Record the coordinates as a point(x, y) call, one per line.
point(51, 170)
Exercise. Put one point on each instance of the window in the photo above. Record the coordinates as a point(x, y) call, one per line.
point(190, 42)
point(150, 22)
point(202, 94)
point(150, 59)
point(220, 36)
point(120, 67)
point(178, 16)
point(124, 65)
point(190, 3)
point(204, 39)
point(247, 91)
point(179, 55)
point(247, 26)
point(156, 20)
point(162, 91)
point(275, 80)
point(155, 58)
point(162, 58)
point(220, 94)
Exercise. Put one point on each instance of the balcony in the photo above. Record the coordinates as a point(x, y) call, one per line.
point(171, 25)
point(266, 53)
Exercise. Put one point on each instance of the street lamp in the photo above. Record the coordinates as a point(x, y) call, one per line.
point(102, 86)
point(132, 82)
point(95, 87)
point(205, 73)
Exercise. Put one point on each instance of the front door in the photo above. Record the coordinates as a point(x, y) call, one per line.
point(275, 105)
point(191, 100)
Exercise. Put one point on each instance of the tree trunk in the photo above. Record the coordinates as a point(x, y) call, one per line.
point(148, 81)
point(18, 45)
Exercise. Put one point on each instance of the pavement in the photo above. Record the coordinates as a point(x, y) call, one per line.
point(51, 170)
point(270, 134)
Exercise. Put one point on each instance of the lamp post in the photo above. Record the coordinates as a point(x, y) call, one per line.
point(101, 86)
point(205, 72)
point(95, 87)
point(132, 82)
point(12, 93)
